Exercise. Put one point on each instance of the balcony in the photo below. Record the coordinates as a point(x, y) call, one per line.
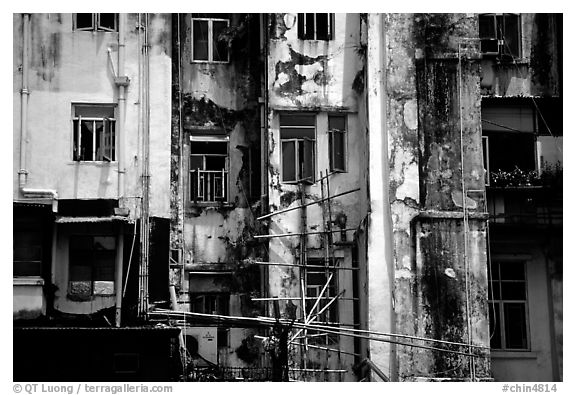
point(209, 186)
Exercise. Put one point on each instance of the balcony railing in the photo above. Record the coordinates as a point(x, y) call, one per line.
point(209, 186)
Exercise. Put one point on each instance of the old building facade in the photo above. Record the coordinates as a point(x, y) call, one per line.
point(330, 196)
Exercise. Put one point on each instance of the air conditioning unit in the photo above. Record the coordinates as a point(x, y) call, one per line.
point(202, 344)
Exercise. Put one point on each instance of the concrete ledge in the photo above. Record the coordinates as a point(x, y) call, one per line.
point(27, 281)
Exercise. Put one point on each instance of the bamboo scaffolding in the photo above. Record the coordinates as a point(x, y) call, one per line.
point(338, 331)
point(304, 205)
point(301, 234)
point(295, 298)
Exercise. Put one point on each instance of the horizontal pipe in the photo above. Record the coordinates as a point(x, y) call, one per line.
point(303, 233)
point(306, 266)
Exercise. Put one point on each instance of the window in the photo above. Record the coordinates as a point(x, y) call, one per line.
point(208, 170)
point(500, 34)
point(297, 136)
point(28, 240)
point(96, 22)
point(315, 281)
point(213, 303)
point(508, 306)
point(337, 142)
point(92, 265)
point(207, 42)
point(94, 133)
point(315, 26)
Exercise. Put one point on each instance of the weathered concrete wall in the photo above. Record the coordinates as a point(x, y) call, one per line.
point(28, 299)
point(319, 76)
point(218, 99)
point(69, 67)
point(433, 99)
point(538, 70)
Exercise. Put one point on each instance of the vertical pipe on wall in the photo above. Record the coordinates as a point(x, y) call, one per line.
point(118, 274)
point(121, 131)
point(381, 316)
point(22, 172)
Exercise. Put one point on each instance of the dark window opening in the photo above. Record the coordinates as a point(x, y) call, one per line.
point(27, 247)
point(337, 142)
point(96, 22)
point(92, 265)
point(508, 306)
point(298, 136)
point(315, 26)
point(500, 34)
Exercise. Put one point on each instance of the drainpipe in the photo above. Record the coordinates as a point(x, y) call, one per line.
point(23, 173)
point(122, 83)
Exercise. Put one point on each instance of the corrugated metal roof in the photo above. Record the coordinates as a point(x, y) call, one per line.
point(102, 328)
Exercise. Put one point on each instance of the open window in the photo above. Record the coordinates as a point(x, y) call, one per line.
point(96, 22)
point(315, 26)
point(337, 142)
point(91, 265)
point(508, 306)
point(500, 34)
point(298, 137)
point(94, 133)
point(208, 169)
point(208, 45)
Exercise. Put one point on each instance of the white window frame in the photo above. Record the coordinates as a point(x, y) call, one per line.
point(331, 147)
point(210, 139)
point(210, 40)
point(96, 25)
point(296, 141)
point(77, 133)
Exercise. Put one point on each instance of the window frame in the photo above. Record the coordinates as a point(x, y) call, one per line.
point(501, 302)
point(210, 40)
point(499, 34)
point(192, 200)
point(96, 24)
point(303, 34)
point(331, 148)
point(299, 174)
point(331, 292)
point(92, 280)
point(77, 134)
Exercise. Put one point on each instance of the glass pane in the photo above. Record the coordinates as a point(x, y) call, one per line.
point(200, 34)
point(86, 140)
point(515, 325)
point(339, 159)
point(288, 161)
point(512, 270)
point(487, 26)
point(104, 265)
point(84, 21)
point(309, 28)
point(495, 338)
point(99, 140)
point(80, 272)
point(494, 290)
point(337, 122)
point(301, 26)
point(511, 35)
point(108, 21)
point(201, 147)
point(94, 111)
point(307, 160)
point(220, 49)
point(297, 119)
point(322, 27)
point(196, 162)
point(215, 163)
point(297, 133)
point(105, 243)
point(513, 290)
point(27, 268)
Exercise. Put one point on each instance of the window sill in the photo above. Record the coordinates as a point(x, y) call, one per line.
point(28, 281)
point(514, 354)
point(93, 163)
point(210, 204)
point(208, 62)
